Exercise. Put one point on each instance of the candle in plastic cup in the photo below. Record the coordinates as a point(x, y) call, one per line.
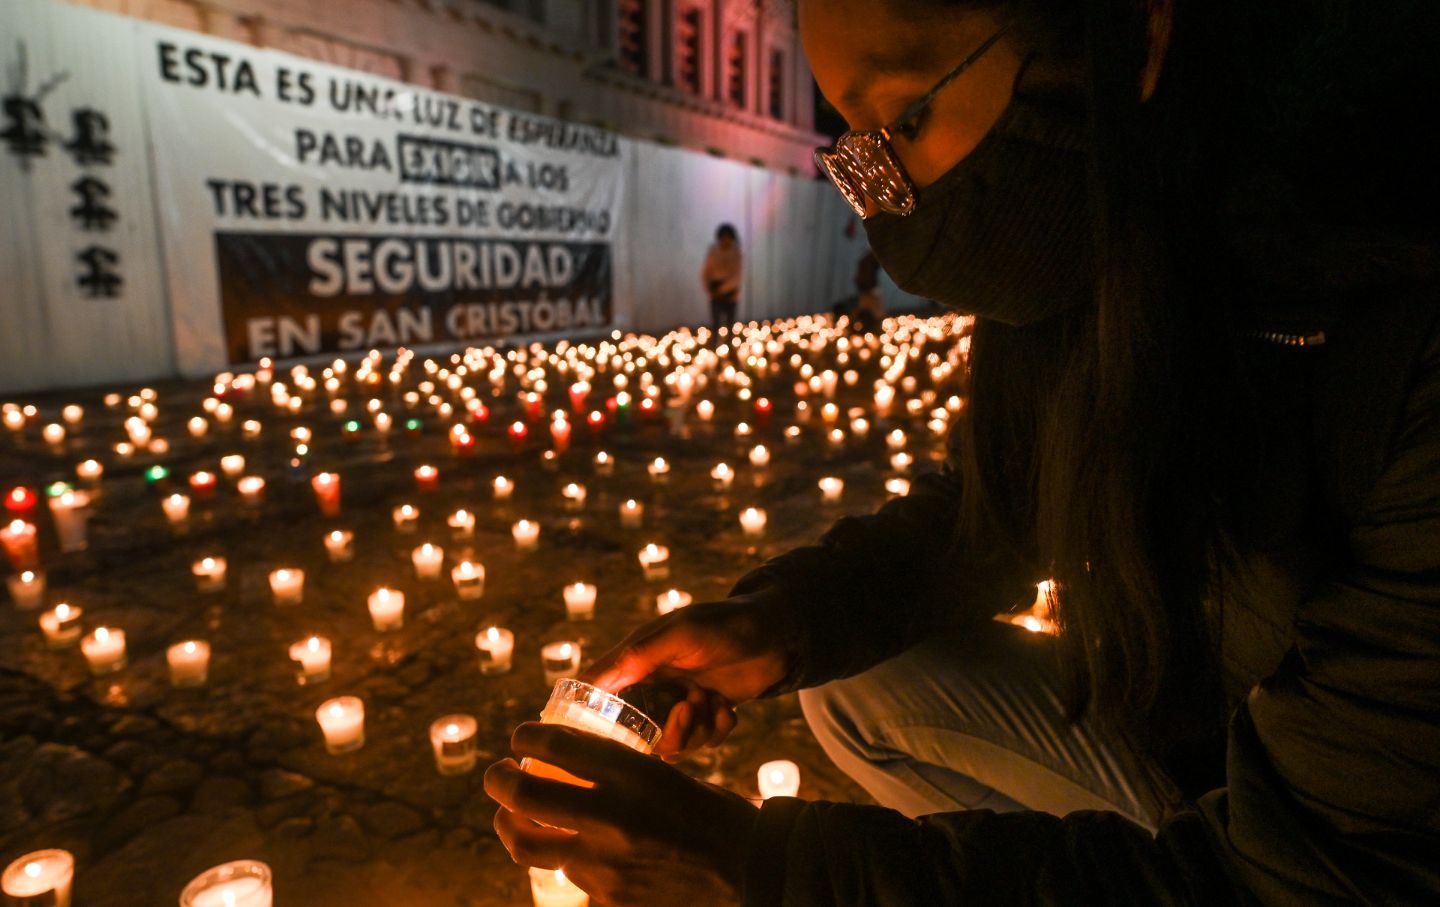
point(780, 778)
point(243, 883)
point(550, 888)
point(342, 721)
point(453, 740)
point(42, 877)
point(576, 704)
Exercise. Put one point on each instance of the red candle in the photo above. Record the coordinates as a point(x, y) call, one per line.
point(762, 410)
point(464, 444)
point(202, 484)
point(578, 392)
point(596, 421)
point(647, 407)
point(533, 404)
point(21, 501)
point(427, 477)
point(479, 412)
point(327, 493)
point(518, 433)
point(560, 432)
point(18, 538)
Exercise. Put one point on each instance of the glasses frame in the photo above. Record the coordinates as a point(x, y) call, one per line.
point(863, 164)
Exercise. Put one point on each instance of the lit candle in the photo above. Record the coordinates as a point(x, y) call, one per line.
point(72, 414)
point(198, 427)
point(897, 487)
point(604, 464)
point(387, 609)
point(453, 739)
point(327, 493)
point(527, 535)
point(243, 883)
point(831, 488)
point(793, 435)
point(752, 520)
point(252, 490)
point(496, 646)
point(61, 626)
point(89, 472)
point(580, 601)
point(705, 410)
point(895, 440)
point(723, 476)
point(759, 456)
point(406, 518)
point(340, 545)
point(313, 656)
point(251, 428)
point(502, 488)
point(550, 888)
point(462, 524)
point(427, 477)
point(288, 585)
point(232, 465)
point(14, 419)
point(428, 560)
point(780, 778)
point(659, 470)
point(632, 514)
point(202, 484)
point(655, 561)
point(70, 512)
point(209, 574)
point(560, 660)
point(900, 461)
point(43, 877)
point(342, 721)
point(54, 434)
point(469, 580)
point(560, 431)
point(177, 508)
point(666, 602)
point(18, 538)
point(104, 650)
point(189, 663)
point(517, 433)
point(27, 589)
point(860, 427)
point(574, 495)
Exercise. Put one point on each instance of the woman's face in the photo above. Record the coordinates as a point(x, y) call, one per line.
point(871, 62)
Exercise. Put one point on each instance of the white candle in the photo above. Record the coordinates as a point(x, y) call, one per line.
point(780, 778)
point(895, 440)
point(342, 720)
point(604, 464)
point(243, 883)
point(428, 559)
point(387, 609)
point(759, 456)
point(580, 601)
point(560, 660)
point(496, 646)
point(632, 514)
point(72, 414)
point(527, 535)
point(831, 488)
point(89, 471)
point(669, 601)
point(752, 520)
point(61, 626)
point(177, 508)
point(232, 465)
point(38, 875)
point(574, 495)
point(469, 580)
point(900, 461)
point(287, 584)
point(189, 663)
point(70, 511)
point(14, 419)
point(723, 476)
point(198, 427)
point(655, 561)
point(453, 740)
point(659, 470)
point(54, 434)
point(406, 518)
point(793, 434)
point(104, 650)
point(705, 410)
point(209, 573)
point(462, 524)
point(897, 487)
point(860, 427)
point(313, 656)
point(502, 488)
point(340, 545)
point(550, 888)
point(27, 589)
point(252, 490)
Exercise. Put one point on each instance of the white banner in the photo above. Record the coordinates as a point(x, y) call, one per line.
point(314, 209)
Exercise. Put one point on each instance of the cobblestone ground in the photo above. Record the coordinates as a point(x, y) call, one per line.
point(149, 786)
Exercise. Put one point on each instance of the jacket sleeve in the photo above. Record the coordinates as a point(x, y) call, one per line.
point(876, 584)
point(1332, 780)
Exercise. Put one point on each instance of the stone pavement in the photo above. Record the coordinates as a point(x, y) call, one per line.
point(149, 786)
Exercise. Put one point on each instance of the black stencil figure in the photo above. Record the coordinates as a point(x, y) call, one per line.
point(92, 213)
point(91, 144)
point(99, 280)
point(25, 134)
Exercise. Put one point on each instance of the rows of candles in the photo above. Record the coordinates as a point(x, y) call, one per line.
point(673, 381)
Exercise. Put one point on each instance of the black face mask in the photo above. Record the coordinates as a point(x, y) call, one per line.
point(1004, 234)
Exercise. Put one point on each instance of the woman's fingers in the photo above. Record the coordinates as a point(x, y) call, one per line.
point(672, 737)
point(725, 719)
point(554, 803)
point(532, 844)
point(588, 756)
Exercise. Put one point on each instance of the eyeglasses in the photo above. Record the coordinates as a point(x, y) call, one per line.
point(862, 163)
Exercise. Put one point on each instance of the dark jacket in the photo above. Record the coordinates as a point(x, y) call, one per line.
point(1330, 649)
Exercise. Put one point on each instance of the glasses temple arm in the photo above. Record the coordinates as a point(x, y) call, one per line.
point(913, 111)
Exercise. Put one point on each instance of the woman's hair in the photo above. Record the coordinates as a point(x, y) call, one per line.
point(727, 231)
point(1278, 161)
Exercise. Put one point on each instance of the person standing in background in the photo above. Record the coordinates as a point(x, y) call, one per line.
point(869, 309)
point(721, 275)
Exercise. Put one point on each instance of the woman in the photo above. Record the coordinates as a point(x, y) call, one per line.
point(720, 276)
point(1204, 398)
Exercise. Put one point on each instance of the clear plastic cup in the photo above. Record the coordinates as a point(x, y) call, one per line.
point(574, 703)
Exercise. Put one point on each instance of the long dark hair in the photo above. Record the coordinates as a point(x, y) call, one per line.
point(1110, 445)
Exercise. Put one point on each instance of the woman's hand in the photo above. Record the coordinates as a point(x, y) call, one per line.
point(644, 836)
point(720, 654)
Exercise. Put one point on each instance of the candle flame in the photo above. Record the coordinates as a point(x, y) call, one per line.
point(102, 634)
point(313, 644)
point(27, 577)
point(33, 870)
point(452, 730)
point(566, 650)
point(62, 610)
point(493, 634)
point(337, 536)
point(229, 897)
point(190, 648)
point(337, 710)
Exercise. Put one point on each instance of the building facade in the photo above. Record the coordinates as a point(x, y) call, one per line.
point(725, 77)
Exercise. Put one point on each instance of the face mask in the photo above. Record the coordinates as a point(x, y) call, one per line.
point(1005, 234)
